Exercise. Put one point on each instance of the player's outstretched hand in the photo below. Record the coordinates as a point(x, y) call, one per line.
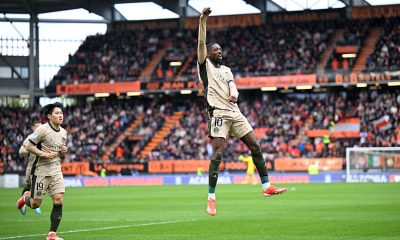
point(206, 11)
point(232, 99)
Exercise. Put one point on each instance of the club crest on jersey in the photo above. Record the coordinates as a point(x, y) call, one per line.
point(219, 77)
point(216, 130)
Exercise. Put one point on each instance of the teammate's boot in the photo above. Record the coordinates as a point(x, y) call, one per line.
point(23, 210)
point(272, 190)
point(38, 210)
point(21, 200)
point(53, 236)
point(211, 209)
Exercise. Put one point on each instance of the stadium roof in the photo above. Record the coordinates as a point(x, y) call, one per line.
point(108, 10)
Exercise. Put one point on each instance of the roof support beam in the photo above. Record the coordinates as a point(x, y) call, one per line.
point(355, 3)
point(273, 7)
point(2, 19)
point(265, 5)
point(173, 5)
point(260, 4)
point(190, 11)
point(33, 56)
point(104, 9)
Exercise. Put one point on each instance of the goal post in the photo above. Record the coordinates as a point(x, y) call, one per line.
point(361, 160)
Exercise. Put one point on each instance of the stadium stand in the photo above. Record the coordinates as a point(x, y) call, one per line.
point(114, 57)
point(93, 127)
point(386, 56)
point(168, 126)
point(267, 50)
point(14, 128)
point(286, 117)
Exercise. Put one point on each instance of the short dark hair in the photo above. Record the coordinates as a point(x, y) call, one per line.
point(209, 46)
point(48, 109)
point(35, 121)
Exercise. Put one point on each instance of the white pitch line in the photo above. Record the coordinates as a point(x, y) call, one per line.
point(100, 229)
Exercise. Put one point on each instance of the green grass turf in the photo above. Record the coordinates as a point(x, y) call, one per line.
point(306, 211)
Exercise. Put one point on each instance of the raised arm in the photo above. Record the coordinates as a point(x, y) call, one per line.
point(201, 47)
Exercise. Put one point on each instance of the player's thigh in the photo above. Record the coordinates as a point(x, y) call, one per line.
point(56, 185)
point(240, 126)
point(28, 176)
point(28, 181)
point(39, 185)
point(218, 127)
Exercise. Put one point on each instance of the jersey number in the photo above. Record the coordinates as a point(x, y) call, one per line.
point(39, 186)
point(218, 122)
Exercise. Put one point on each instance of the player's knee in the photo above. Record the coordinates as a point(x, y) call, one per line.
point(217, 156)
point(58, 202)
point(58, 199)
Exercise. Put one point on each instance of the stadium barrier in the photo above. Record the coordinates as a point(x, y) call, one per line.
point(77, 169)
point(326, 79)
point(114, 167)
point(226, 21)
point(375, 12)
point(226, 178)
point(9, 181)
point(302, 164)
point(85, 169)
point(85, 88)
point(192, 166)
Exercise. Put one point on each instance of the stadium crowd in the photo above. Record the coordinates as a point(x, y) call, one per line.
point(386, 56)
point(101, 124)
point(265, 50)
point(272, 50)
point(15, 126)
point(255, 50)
point(91, 128)
point(284, 121)
point(94, 126)
point(275, 49)
point(117, 56)
point(354, 35)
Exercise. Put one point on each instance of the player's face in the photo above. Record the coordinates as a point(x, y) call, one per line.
point(215, 55)
point(56, 117)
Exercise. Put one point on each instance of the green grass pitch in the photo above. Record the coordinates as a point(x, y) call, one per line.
point(306, 211)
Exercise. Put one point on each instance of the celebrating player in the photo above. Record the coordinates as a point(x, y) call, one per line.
point(224, 115)
point(48, 144)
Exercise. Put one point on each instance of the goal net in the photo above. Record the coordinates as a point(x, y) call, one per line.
point(369, 160)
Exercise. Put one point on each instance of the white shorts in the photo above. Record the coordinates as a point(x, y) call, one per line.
point(224, 122)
